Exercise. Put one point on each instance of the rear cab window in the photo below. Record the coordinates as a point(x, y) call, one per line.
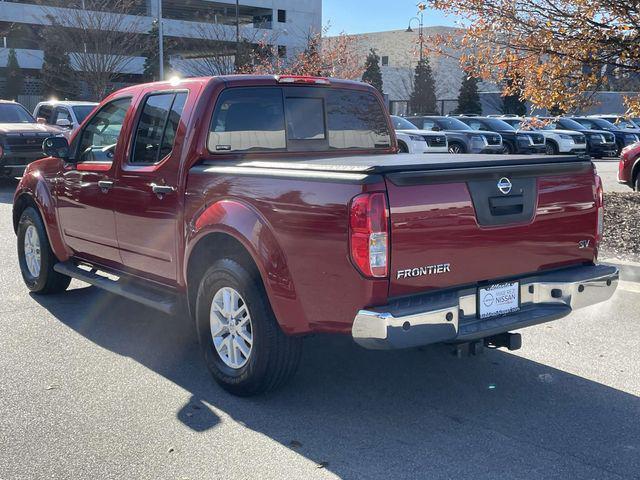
point(260, 119)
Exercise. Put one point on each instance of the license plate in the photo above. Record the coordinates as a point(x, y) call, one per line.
point(499, 299)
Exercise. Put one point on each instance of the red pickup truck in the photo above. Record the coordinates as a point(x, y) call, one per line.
point(276, 207)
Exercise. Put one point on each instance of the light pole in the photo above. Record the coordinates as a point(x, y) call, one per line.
point(160, 41)
point(420, 20)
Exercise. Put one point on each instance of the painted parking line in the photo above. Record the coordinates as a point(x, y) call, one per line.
point(632, 287)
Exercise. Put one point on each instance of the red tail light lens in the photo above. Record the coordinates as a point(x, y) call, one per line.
point(600, 208)
point(369, 234)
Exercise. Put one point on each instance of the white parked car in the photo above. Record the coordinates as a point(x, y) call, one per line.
point(556, 141)
point(413, 140)
point(66, 115)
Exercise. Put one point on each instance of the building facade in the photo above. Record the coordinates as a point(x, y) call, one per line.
point(194, 30)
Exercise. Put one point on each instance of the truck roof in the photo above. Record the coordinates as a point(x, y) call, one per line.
point(246, 79)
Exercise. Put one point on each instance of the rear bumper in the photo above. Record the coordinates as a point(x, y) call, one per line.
point(451, 316)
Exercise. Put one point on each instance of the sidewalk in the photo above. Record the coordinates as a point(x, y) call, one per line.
point(629, 271)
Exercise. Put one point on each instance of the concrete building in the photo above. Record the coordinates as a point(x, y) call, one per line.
point(399, 55)
point(282, 23)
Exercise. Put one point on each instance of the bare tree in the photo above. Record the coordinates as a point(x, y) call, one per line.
point(103, 37)
point(215, 51)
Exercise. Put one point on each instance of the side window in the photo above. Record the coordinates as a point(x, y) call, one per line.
point(428, 124)
point(475, 125)
point(248, 119)
point(61, 113)
point(157, 127)
point(356, 120)
point(100, 135)
point(45, 112)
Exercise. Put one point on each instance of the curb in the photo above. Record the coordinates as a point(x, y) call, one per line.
point(629, 271)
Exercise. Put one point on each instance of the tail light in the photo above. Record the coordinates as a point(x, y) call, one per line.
point(369, 234)
point(1, 151)
point(600, 208)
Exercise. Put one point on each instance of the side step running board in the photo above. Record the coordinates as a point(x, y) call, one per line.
point(166, 302)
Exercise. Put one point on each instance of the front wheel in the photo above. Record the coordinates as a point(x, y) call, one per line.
point(36, 257)
point(456, 148)
point(243, 345)
point(551, 148)
point(507, 148)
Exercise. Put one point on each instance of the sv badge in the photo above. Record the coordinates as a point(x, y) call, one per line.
point(582, 244)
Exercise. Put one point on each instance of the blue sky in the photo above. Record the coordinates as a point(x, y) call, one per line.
point(361, 16)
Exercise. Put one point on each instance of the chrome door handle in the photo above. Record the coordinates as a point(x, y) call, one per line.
point(161, 190)
point(105, 185)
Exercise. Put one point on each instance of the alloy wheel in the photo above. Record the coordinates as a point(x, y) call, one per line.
point(231, 328)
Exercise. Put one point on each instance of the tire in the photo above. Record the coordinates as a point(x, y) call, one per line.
point(507, 148)
point(636, 182)
point(402, 148)
point(456, 148)
point(273, 357)
point(36, 257)
point(551, 148)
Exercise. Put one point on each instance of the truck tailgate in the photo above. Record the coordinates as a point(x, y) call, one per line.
point(455, 227)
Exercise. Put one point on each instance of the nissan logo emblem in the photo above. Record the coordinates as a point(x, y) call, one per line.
point(504, 185)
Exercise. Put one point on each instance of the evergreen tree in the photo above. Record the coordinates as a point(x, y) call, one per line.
point(57, 74)
point(468, 98)
point(151, 69)
point(423, 97)
point(513, 104)
point(15, 78)
point(372, 74)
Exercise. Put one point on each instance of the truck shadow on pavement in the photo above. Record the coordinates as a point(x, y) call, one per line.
point(364, 414)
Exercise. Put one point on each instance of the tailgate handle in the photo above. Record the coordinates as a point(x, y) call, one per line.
point(512, 205)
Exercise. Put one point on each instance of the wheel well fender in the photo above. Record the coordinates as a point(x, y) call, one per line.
point(33, 191)
point(231, 228)
point(635, 170)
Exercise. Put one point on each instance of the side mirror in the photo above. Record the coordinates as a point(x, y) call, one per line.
point(41, 120)
point(56, 147)
point(63, 122)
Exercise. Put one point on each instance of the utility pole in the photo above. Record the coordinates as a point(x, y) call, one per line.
point(160, 40)
point(237, 29)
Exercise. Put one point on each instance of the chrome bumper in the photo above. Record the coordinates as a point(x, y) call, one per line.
point(452, 317)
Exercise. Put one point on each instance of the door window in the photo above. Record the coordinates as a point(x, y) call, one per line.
point(100, 135)
point(156, 131)
point(44, 112)
point(61, 113)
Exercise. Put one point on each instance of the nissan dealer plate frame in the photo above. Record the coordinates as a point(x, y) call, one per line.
point(498, 299)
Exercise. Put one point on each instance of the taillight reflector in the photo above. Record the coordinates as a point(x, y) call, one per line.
point(369, 234)
point(600, 208)
point(302, 79)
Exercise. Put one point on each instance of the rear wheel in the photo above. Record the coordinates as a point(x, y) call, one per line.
point(36, 257)
point(243, 345)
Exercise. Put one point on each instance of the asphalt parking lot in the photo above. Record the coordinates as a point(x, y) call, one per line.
point(96, 387)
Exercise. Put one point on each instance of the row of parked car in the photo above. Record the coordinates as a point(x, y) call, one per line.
point(599, 136)
point(22, 133)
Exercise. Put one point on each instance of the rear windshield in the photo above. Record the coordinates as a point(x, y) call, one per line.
point(259, 119)
point(12, 113)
